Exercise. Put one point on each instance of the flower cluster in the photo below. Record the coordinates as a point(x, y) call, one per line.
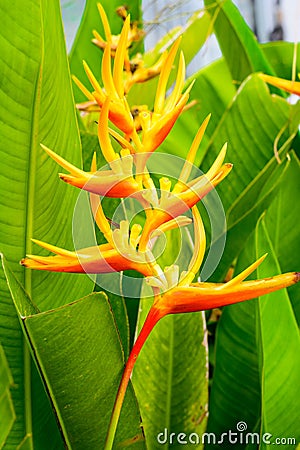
point(129, 246)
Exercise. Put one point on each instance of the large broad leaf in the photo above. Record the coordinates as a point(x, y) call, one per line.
point(212, 93)
point(36, 106)
point(257, 361)
point(251, 125)
point(281, 56)
point(282, 216)
point(238, 43)
point(7, 412)
point(34, 416)
point(242, 216)
point(279, 357)
point(84, 398)
point(66, 343)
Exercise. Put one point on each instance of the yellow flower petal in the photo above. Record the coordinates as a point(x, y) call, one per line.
point(120, 58)
point(164, 77)
point(287, 85)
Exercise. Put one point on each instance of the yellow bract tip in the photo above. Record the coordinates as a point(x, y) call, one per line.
point(63, 163)
point(91, 77)
point(104, 22)
point(241, 277)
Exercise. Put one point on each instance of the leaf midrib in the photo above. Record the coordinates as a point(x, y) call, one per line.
point(30, 184)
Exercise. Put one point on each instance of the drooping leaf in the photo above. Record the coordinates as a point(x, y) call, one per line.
point(66, 342)
point(34, 416)
point(83, 398)
point(262, 118)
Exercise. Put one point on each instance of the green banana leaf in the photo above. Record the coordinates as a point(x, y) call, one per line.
point(7, 412)
point(36, 100)
point(257, 361)
point(65, 347)
point(237, 42)
point(281, 56)
point(281, 220)
point(279, 363)
point(242, 216)
point(262, 118)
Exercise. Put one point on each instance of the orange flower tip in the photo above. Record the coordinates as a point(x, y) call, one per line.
point(297, 277)
point(66, 178)
point(73, 180)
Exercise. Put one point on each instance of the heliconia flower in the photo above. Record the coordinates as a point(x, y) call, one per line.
point(113, 86)
point(287, 85)
point(179, 295)
point(184, 195)
point(121, 252)
point(118, 254)
point(156, 125)
point(135, 34)
point(118, 181)
point(97, 259)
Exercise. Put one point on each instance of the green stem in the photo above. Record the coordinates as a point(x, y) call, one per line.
point(152, 318)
